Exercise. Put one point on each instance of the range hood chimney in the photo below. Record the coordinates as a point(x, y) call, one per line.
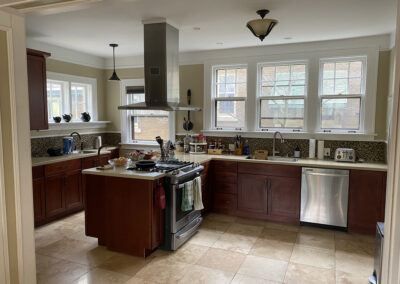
point(161, 69)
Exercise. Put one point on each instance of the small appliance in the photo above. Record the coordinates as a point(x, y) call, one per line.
point(345, 155)
point(68, 144)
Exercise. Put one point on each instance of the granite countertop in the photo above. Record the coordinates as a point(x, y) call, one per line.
point(124, 173)
point(41, 161)
point(202, 158)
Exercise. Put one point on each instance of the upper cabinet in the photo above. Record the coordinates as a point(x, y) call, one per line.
point(37, 89)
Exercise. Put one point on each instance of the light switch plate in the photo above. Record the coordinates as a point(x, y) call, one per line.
point(327, 152)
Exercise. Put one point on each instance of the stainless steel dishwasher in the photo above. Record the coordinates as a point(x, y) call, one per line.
point(324, 196)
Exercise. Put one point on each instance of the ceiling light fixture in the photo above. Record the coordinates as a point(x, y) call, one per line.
point(114, 76)
point(261, 27)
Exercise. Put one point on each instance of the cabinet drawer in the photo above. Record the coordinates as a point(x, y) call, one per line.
point(62, 167)
point(269, 170)
point(229, 188)
point(92, 162)
point(37, 172)
point(225, 202)
point(222, 166)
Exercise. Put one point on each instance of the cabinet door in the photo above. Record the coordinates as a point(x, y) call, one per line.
point(367, 193)
point(284, 197)
point(252, 193)
point(39, 199)
point(55, 203)
point(73, 190)
point(37, 92)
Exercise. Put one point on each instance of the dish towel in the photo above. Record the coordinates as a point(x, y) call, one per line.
point(187, 196)
point(197, 198)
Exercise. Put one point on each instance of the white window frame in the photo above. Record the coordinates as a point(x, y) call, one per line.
point(260, 97)
point(126, 124)
point(67, 80)
point(215, 99)
point(363, 96)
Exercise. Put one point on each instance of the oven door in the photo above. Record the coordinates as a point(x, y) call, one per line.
point(180, 218)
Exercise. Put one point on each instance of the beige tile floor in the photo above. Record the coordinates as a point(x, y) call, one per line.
point(225, 250)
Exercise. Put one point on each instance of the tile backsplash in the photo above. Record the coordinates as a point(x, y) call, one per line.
point(368, 150)
point(39, 145)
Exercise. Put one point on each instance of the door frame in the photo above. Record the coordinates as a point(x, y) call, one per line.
point(4, 263)
point(391, 258)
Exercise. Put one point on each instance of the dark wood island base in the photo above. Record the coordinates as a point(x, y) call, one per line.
point(122, 213)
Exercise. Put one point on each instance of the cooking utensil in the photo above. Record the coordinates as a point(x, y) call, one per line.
point(161, 143)
point(188, 125)
point(144, 165)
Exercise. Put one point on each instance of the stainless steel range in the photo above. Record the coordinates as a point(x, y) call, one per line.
point(180, 225)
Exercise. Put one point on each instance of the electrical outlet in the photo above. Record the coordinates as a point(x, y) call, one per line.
point(327, 152)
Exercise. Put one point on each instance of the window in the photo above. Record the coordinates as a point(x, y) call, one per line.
point(71, 94)
point(342, 90)
point(142, 126)
point(282, 91)
point(230, 94)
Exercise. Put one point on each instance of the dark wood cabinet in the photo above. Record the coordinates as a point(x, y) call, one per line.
point(73, 190)
point(367, 194)
point(284, 198)
point(253, 193)
point(39, 208)
point(206, 188)
point(224, 186)
point(92, 162)
point(37, 88)
point(55, 203)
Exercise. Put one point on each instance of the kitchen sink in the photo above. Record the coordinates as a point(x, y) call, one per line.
point(283, 159)
point(276, 158)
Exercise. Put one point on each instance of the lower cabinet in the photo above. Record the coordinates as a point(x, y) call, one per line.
point(73, 190)
point(39, 207)
point(253, 193)
point(367, 194)
point(55, 195)
point(284, 197)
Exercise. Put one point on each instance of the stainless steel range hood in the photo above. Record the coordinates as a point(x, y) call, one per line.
point(161, 69)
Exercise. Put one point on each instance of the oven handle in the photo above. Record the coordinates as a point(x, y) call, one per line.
point(182, 185)
point(191, 230)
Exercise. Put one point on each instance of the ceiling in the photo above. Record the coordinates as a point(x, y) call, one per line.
point(91, 27)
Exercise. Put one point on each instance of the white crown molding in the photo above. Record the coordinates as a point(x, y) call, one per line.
point(67, 55)
point(379, 42)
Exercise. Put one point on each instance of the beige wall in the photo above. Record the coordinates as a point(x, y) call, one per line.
point(113, 94)
point(382, 94)
point(84, 71)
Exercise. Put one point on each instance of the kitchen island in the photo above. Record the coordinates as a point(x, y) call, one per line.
point(120, 209)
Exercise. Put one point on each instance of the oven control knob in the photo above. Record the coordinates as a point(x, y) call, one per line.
point(175, 172)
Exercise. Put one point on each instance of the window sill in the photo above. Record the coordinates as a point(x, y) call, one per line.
point(139, 146)
point(292, 135)
point(77, 125)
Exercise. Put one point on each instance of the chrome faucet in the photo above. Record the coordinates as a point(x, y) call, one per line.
point(80, 139)
point(273, 142)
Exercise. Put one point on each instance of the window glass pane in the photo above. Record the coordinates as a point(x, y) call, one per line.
point(282, 73)
point(231, 82)
point(341, 86)
point(355, 69)
point(268, 73)
point(147, 128)
point(282, 113)
point(230, 114)
point(78, 100)
point(298, 72)
point(287, 80)
point(54, 99)
point(342, 78)
point(341, 113)
point(342, 69)
point(329, 70)
point(147, 124)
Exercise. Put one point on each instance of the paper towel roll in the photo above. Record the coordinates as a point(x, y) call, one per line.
point(312, 149)
point(320, 149)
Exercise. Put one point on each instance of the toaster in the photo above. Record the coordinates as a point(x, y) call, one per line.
point(345, 155)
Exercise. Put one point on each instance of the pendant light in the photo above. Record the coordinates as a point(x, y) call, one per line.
point(261, 27)
point(114, 76)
